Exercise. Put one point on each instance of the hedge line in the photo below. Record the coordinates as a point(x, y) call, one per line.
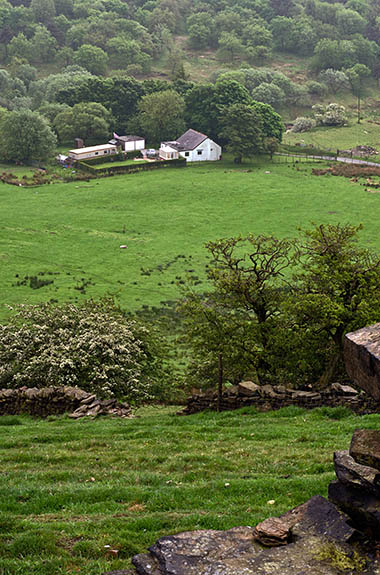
point(110, 171)
point(112, 157)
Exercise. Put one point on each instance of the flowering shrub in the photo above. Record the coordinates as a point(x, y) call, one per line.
point(303, 124)
point(331, 115)
point(93, 346)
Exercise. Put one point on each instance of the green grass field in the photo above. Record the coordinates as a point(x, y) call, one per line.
point(70, 488)
point(70, 234)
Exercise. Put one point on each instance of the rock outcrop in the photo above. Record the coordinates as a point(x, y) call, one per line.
point(319, 533)
point(45, 401)
point(362, 358)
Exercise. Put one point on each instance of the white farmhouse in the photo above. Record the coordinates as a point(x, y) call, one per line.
point(192, 145)
point(93, 152)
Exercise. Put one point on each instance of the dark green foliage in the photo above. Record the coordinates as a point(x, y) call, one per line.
point(242, 130)
point(25, 136)
point(88, 120)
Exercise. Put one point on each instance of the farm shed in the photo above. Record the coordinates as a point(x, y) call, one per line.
point(128, 143)
point(93, 152)
point(192, 145)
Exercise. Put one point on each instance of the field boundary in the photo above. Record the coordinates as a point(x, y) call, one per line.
point(130, 169)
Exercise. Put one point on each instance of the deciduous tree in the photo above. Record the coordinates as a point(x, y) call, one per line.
point(242, 131)
point(25, 136)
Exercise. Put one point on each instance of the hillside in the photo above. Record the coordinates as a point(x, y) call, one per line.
point(55, 54)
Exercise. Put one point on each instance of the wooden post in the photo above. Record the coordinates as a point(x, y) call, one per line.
point(220, 383)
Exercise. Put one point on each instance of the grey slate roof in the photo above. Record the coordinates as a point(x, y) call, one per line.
point(191, 139)
point(188, 141)
point(129, 138)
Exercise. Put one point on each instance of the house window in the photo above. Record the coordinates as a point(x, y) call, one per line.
point(187, 154)
point(199, 152)
point(105, 152)
point(96, 153)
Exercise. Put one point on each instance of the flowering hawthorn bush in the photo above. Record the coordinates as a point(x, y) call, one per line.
point(93, 346)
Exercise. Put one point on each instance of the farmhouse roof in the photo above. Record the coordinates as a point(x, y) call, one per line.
point(191, 139)
point(130, 138)
point(188, 141)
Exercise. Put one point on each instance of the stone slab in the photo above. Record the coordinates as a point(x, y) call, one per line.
point(235, 551)
point(365, 447)
point(362, 358)
point(361, 506)
point(351, 473)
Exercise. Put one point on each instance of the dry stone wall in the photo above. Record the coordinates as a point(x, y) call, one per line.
point(45, 401)
point(269, 397)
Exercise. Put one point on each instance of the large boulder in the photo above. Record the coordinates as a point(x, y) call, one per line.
point(319, 532)
point(362, 358)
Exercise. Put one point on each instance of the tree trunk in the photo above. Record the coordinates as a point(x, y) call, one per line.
point(330, 371)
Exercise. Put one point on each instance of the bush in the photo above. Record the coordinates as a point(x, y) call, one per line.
point(93, 346)
point(331, 115)
point(316, 88)
point(303, 124)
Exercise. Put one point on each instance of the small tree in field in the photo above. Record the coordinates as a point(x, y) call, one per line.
point(238, 318)
point(93, 346)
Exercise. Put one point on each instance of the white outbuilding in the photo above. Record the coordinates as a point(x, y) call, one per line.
point(192, 145)
point(128, 143)
point(93, 152)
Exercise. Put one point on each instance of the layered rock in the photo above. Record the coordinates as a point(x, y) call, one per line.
point(362, 358)
point(357, 490)
point(45, 401)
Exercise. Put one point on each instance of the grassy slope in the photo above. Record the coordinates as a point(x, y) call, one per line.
point(72, 232)
point(69, 488)
point(365, 133)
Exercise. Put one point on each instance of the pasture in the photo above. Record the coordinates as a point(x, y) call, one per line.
point(71, 491)
point(62, 241)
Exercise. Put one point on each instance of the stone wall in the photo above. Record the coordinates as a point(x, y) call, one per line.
point(269, 397)
point(58, 400)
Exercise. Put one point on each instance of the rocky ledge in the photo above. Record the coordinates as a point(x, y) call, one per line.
point(41, 402)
